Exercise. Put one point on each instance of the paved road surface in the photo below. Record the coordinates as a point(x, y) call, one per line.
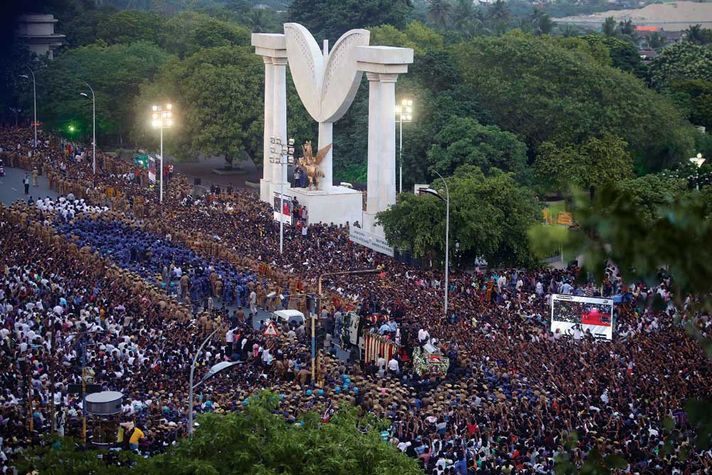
point(11, 188)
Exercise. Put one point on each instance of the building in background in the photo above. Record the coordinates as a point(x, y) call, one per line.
point(37, 32)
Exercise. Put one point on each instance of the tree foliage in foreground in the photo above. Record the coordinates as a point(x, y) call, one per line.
point(489, 217)
point(257, 441)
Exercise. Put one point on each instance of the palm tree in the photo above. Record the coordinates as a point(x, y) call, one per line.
point(499, 14)
point(698, 35)
point(439, 12)
point(656, 40)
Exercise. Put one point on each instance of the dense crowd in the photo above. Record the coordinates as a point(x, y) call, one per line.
point(512, 397)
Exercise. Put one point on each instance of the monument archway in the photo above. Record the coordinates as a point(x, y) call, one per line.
point(327, 82)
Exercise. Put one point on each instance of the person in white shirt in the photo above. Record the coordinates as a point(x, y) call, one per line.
point(423, 336)
point(393, 366)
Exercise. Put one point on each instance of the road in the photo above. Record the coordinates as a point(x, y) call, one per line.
point(11, 188)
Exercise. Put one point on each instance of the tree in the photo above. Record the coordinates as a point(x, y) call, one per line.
point(329, 19)
point(589, 166)
point(129, 26)
point(489, 217)
point(188, 32)
point(681, 61)
point(609, 27)
point(624, 54)
point(114, 71)
point(439, 12)
point(255, 441)
point(698, 35)
point(541, 22)
point(649, 195)
point(218, 101)
point(544, 92)
point(464, 141)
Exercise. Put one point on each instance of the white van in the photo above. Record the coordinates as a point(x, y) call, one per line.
point(288, 316)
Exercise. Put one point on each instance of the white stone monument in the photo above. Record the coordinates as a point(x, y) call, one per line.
point(327, 82)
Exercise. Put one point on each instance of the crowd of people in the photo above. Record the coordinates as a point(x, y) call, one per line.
point(513, 395)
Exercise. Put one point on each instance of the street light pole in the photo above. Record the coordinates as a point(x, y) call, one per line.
point(431, 191)
point(93, 126)
point(190, 385)
point(162, 118)
point(405, 114)
point(34, 101)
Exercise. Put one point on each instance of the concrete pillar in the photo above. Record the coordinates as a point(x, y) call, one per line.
point(279, 121)
point(387, 142)
point(266, 165)
point(273, 49)
point(374, 164)
point(326, 130)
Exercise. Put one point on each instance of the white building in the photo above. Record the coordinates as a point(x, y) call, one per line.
point(37, 32)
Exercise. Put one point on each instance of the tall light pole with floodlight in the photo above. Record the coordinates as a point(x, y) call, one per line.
point(697, 161)
point(34, 100)
point(405, 114)
point(162, 118)
point(433, 192)
point(93, 126)
point(282, 155)
point(190, 382)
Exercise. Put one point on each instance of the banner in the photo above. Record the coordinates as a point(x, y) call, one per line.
point(286, 204)
point(370, 240)
point(570, 313)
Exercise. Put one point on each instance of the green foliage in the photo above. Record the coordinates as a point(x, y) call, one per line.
point(593, 164)
point(257, 441)
point(114, 71)
point(694, 97)
point(189, 32)
point(464, 141)
point(544, 92)
point(489, 217)
point(129, 26)
point(254, 441)
point(624, 54)
point(649, 194)
point(329, 19)
point(62, 457)
point(681, 61)
point(698, 35)
point(217, 94)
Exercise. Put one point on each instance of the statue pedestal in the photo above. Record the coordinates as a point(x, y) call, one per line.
point(339, 205)
point(265, 190)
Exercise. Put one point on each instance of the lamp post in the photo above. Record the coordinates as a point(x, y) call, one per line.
point(283, 155)
point(405, 114)
point(34, 101)
point(162, 118)
point(697, 161)
point(190, 385)
point(433, 192)
point(93, 126)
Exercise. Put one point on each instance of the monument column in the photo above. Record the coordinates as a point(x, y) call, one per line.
point(387, 142)
point(382, 65)
point(279, 121)
point(273, 49)
point(266, 180)
point(373, 168)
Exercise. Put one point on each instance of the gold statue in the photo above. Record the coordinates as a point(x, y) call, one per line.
point(310, 164)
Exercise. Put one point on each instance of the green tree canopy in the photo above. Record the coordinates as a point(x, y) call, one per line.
point(681, 61)
point(545, 92)
point(590, 165)
point(217, 94)
point(188, 32)
point(254, 441)
point(489, 217)
point(464, 141)
point(329, 19)
point(114, 71)
point(129, 26)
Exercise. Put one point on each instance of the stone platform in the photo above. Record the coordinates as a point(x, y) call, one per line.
point(338, 205)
